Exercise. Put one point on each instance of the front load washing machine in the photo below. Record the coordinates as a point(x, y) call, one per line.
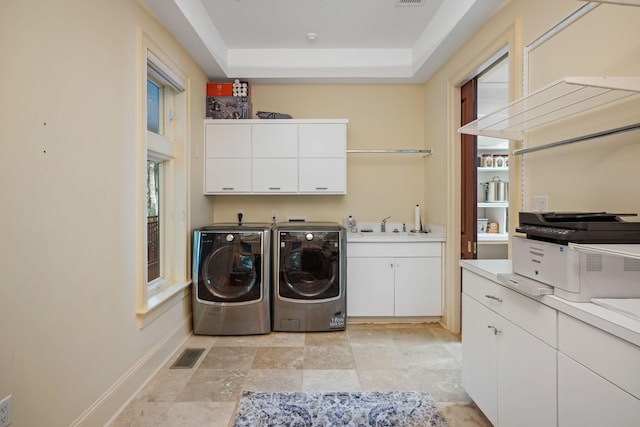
point(231, 279)
point(309, 285)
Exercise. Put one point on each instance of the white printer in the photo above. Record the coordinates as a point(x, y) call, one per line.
point(576, 256)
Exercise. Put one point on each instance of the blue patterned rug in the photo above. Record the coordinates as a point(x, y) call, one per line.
point(315, 409)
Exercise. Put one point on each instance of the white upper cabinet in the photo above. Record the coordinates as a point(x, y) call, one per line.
point(275, 156)
point(322, 165)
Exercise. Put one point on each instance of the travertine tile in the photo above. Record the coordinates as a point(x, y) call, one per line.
point(463, 415)
point(330, 380)
point(381, 357)
point(386, 380)
point(328, 358)
point(213, 385)
point(228, 358)
point(278, 358)
point(365, 357)
point(327, 339)
point(212, 414)
point(142, 414)
point(166, 385)
point(273, 380)
point(426, 357)
point(445, 385)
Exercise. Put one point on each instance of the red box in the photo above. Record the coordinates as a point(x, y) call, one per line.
point(219, 89)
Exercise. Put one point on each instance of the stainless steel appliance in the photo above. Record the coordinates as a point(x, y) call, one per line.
point(557, 257)
point(231, 279)
point(309, 285)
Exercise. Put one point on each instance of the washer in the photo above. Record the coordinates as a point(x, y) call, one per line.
point(309, 284)
point(231, 279)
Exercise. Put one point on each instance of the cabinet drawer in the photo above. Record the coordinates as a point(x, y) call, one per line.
point(359, 249)
point(613, 358)
point(529, 314)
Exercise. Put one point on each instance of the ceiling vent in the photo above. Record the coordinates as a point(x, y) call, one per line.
point(409, 2)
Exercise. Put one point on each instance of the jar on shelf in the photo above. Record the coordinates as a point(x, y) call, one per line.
point(498, 160)
point(487, 160)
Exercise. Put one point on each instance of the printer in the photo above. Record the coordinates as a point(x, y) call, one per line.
point(566, 254)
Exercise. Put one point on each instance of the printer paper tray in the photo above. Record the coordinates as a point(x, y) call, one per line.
point(525, 285)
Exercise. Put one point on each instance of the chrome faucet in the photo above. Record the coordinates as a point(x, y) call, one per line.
point(383, 225)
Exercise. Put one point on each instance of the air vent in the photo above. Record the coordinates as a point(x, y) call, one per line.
point(594, 262)
point(409, 2)
point(631, 264)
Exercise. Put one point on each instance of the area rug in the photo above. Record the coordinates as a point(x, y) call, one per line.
point(315, 409)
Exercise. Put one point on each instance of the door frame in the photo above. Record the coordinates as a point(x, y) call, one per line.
point(507, 42)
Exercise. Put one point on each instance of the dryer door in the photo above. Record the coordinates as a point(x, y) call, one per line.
point(231, 267)
point(309, 265)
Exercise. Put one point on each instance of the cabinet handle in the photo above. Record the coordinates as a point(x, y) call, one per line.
point(493, 298)
point(322, 188)
point(496, 331)
point(227, 188)
point(274, 188)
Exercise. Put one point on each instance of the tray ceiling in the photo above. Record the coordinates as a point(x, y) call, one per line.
point(328, 41)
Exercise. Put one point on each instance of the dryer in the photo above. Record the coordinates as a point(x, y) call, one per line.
point(309, 283)
point(231, 279)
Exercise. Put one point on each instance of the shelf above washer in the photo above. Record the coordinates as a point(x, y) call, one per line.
point(565, 97)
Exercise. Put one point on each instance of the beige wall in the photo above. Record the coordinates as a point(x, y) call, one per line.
point(378, 185)
point(590, 176)
point(69, 336)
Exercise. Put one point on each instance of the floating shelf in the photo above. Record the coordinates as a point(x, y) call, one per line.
point(565, 97)
point(493, 204)
point(399, 151)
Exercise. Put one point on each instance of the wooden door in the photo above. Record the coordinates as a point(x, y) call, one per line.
point(469, 177)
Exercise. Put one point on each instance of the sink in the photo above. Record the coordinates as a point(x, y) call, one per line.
point(386, 234)
point(402, 236)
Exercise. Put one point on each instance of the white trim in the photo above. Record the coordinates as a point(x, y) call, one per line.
point(108, 406)
point(162, 301)
point(159, 70)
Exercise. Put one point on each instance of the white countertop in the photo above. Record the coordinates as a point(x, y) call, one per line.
point(435, 234)
point(617, 324)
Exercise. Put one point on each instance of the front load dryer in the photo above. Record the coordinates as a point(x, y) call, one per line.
point(309, 285)
point(231, 279)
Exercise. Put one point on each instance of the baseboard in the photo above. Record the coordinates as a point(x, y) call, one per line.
point(119, 395)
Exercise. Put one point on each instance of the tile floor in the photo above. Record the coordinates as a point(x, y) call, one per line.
point(365, 357)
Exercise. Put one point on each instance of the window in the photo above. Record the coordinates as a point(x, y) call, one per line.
point(163, 265)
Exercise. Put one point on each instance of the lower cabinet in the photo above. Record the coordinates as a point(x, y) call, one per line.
point(400, 286)
point(506, 369)
point(598, 377)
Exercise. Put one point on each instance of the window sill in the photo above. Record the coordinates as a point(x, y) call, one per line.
point(161, 302)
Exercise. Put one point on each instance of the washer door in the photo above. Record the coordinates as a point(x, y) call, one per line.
point(309, 268)
point(231, 270)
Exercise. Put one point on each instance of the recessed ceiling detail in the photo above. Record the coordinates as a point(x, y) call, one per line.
point(362, 41)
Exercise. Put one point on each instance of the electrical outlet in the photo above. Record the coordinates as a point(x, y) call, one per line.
point(540, 203)
point(5, 411)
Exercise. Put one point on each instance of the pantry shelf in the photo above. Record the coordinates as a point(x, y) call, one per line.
point(562, 98)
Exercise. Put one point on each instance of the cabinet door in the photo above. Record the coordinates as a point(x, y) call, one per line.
point(322, 175)
point(370, 287)
point(275, 175)
point(227, 176)
point(418, 287)
point(480, 357)
point(275, 140)
point(527, 370)
point(585, 399)
point(322, 139)
point(227, 140)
